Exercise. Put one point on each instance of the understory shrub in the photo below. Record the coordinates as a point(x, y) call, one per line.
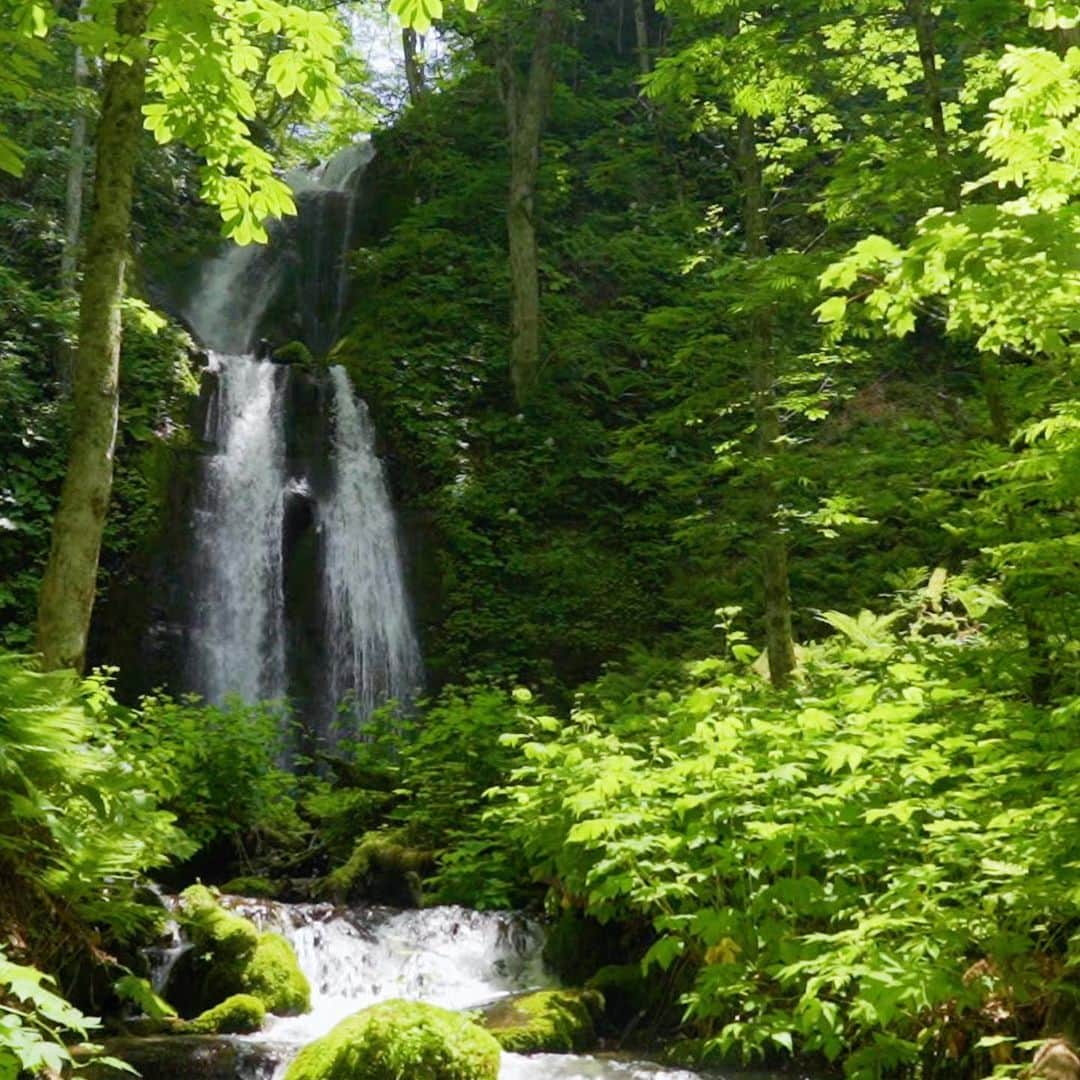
point(880, 864)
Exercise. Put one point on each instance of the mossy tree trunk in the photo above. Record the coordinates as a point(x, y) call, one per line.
point(641, 27)
point(526, 102)
point(67, 590)
point(780, 645)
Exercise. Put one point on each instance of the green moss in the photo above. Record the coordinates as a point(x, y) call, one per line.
point(258, 887)
point(240, 1014)
point(549, 1021)
point(273, 975)
point(231, 957)
point(295, 352)
point(381, 867)
point(227, 936)
point(400, 1039)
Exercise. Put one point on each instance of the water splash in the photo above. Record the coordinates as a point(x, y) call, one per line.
point(448, 956)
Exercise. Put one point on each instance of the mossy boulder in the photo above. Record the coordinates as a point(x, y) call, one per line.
point(258, 888)
point(546, 1021)
point(230, 937)
point(240, 1014)
point(273, 975)
point(293, 352)
point(230, 956)
point(400, 1039)
point(384, 868)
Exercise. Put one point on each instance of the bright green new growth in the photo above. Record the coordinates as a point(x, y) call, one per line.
point(548, 1021)
point(400, 1039)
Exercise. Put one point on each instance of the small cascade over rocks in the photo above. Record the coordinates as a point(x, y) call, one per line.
point(355, 957)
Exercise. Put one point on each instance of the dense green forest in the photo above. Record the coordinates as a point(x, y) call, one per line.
point(721, 359)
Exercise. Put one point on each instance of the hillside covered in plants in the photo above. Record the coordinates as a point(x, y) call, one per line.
point(615, 461)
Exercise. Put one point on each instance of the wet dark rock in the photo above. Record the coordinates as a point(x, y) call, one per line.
point(189, 1057)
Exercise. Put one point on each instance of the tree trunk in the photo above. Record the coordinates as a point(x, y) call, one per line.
point(773, 545)
point(526, 110)
point(641, 25)
point(922, 19)
point(76, 172)
point(414, 68)
point(67, 590)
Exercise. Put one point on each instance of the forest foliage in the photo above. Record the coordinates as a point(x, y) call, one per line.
point(805, 395)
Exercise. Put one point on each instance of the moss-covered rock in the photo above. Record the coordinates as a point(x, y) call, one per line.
point(255, 887)
point(228, 936)
point(273, 975)
point(546, 1021)
point(400, 1039)
point(294, 352)
point(382, 867)
point(232, 957)
point(240, 1014)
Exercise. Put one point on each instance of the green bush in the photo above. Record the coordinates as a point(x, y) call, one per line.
point(225, 760)
point(856, 867)
point(439, 763)
point(79, 820)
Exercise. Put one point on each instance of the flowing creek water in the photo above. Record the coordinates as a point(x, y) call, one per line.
point(448, 956)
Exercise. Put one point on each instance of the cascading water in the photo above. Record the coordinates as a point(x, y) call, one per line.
point(297, 577)
point(239, 632)
point(446, 956)
point(373, 652)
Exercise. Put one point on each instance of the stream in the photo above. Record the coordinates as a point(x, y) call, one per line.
point(355, 957)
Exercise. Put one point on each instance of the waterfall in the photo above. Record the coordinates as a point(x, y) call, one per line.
point(297, 575)
point(238, 628)
point(373, 651)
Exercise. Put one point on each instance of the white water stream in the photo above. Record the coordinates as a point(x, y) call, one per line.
point(238, 638)
point(446, 956)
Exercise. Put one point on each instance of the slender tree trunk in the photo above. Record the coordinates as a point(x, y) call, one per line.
point(76, 173)
point(526, 110)
point(67, 590)
point(923, 21)
point(73, 203)
point(414, 68)
point(780, 644)
point(641, 25)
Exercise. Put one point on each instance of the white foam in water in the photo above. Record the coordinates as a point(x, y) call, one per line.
point(447, 956)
